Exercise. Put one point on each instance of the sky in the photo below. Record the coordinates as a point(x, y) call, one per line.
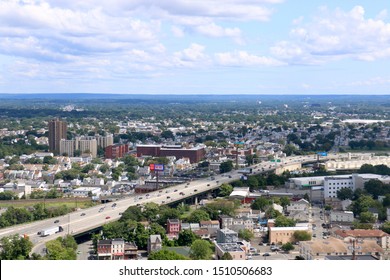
point(195, 46)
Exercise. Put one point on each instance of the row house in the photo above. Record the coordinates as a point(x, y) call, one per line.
point(116, 249)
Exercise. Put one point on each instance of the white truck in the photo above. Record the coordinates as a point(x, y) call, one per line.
point(50, 231)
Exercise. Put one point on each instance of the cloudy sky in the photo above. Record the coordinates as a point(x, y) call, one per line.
point(195, 46)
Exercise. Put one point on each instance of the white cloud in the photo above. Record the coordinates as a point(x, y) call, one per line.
point(334, 35)
point(242, 58)
point(192, 56)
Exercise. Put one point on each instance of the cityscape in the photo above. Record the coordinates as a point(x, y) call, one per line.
point(194, 130)
point(307, 178)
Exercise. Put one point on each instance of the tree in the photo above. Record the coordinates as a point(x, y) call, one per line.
point(200, 250)
point(283, 221)
point(386, 227)
point(367, 217)
point(272, 213)
point(345, 193)
point(226, 256)
point(197, 216)
point(375, 188)
point(186, 238)
point(226, 166)
point(245, 234)
point(287, 247)
point(367, 168)
point(15, 247)
point(225, 190)
point(260, 203)
point(284, 201)
point(8, 195)
point(165, 254)
point(61, 249)
point(301, 235)
point(362, 204)
point(252, 182)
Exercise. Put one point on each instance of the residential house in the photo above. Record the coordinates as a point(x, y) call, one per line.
point(301, 205)
point(173, 227)
point(154, 243)
point(116, 249)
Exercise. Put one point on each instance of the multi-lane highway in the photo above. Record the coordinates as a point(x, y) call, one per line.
point(83, 220)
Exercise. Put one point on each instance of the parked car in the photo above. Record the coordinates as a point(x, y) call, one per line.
point(266, 255)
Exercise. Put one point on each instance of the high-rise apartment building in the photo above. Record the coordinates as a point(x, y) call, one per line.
point(57, 131)
point(67, 147)
point(105, 141)
point(86, 144)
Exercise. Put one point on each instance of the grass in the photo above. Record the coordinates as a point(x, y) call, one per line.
point(28, 203)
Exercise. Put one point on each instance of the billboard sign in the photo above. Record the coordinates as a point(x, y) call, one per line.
point(159, 167)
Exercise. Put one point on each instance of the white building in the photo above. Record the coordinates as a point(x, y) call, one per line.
point(341, 216)
point(301, 205)
point(354, 181)
point(84, 191)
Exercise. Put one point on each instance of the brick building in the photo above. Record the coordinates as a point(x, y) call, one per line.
point(116, 151)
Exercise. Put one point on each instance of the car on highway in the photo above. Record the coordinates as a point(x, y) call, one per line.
point(56, 221)
point(168, 197)
point(208, 185)
point(101, 209)
point(266, 255)
point(82, 214)
point(195, 190)
point(175, 190)
point(120, 213)
point(230, 176)
point(108, 217)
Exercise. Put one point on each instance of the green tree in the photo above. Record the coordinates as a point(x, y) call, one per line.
point(301, 235)
point(15, 247)
point(245, 234)
point(226, 256)
point(284, 201)
point(386, 227)
point(282, 221)
point(61, 249)
point(271, 213)
point(375, 188)
point(165, 254)
point(186, 238)
point(198, 215)
point(225, 190)
point(200, 250)
point(253, 183)
point(367, 217)
point(345, 193)
point(287, 247)
point(8, 195)
point(226, 166)
point(362, 204)
point(367, 168)
point(261, 203)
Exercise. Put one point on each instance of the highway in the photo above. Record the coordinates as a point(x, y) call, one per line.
point(83, 220)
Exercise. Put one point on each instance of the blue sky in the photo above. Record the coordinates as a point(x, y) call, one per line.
point(195, 46)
